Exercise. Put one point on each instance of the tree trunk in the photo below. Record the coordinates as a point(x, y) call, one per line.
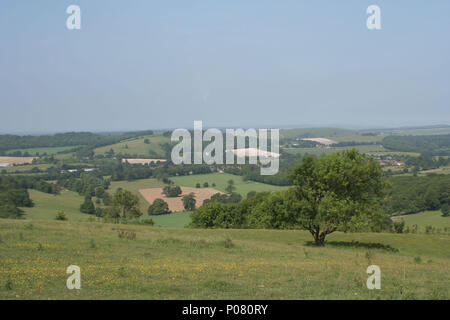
point(319, 239)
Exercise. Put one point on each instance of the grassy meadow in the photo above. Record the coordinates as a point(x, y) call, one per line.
point(422, 219)
point(165, 263)
point(47, 205)
point(40, 151)
point(137, 146)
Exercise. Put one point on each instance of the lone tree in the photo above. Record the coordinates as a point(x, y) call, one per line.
point(124, 205)
point(87, 206)
point(230, 187)
point(340, 191)
point(189, 201)
point(159, 206)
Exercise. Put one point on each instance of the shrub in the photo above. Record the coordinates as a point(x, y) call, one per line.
point(159, 206)
point(172, 191)
point(398, 226)
point(197, 185)
point(445, 209)
point(126, 234)
point(228, 243)
point(61, 216)
point(205, 185)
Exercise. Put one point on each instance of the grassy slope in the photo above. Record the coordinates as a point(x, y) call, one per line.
point(221, 181)
point(48, 150)
point(47, 205)
point(166, 263)
point(137, 146)
point(432, 218)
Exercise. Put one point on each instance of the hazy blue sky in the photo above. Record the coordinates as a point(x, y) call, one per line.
point(163, 64)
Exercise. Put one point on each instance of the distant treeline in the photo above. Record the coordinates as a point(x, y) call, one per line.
point(8, 142)
point(411, 194)
point(429, 144)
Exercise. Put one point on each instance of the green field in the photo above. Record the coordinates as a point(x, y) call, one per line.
point(137, 146)
point(221, 181)
point(172, 220)
point(26, 167)
point(40, 151)
point(375, 149)
point(162, 263)
point(432, 218)
point(47, 205)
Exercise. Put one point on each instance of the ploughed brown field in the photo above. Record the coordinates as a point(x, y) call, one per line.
point(176, 204)
point(16, 160)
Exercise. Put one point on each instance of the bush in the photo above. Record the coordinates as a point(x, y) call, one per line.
point(159, 206)
point(205, 185)
point(61, 216)
point(398, 226)
point(172, 191)
point(445, 209)
point(197, 185)
point(126, 234)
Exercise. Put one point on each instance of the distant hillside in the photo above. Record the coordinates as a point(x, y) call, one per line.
point(151, 146)
point(8, 142)
point(316, 133)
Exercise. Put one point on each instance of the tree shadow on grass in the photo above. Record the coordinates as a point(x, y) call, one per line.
point(356, 244)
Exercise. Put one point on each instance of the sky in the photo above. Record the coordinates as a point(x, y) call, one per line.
point(144, 64)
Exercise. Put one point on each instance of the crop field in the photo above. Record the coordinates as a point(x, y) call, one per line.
point(16, 160)
point(138, 147)
point(176, 203)
point(134, 187)
point(422, 219)
point(221, 182)
point(164, 263)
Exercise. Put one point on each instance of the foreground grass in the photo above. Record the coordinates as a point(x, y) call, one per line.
point(162, 263)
